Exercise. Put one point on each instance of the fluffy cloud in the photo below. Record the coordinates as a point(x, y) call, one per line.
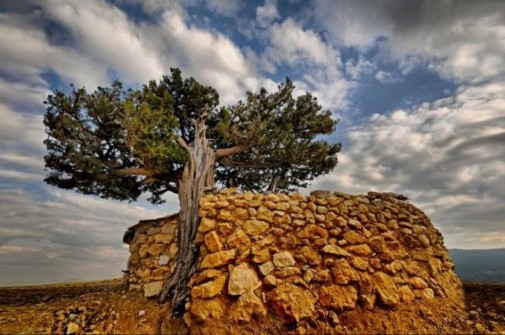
point(463, 39)
point(28, 61)
point(104, 33)
point(318, 62)
point(293, 45)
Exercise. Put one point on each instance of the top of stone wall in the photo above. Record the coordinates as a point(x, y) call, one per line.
point(143, 225)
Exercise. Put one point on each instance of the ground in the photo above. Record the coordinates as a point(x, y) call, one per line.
point(106, 307)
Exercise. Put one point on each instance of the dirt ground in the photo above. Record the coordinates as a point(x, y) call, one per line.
point(106, 307)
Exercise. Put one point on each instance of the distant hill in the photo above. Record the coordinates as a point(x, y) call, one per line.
point(480, 264)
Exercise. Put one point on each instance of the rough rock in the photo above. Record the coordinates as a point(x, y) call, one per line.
point(205, 309)
point(206, 225)
point(310, 255)
point(334, 250)
point(353, 237)
point(152, 289)
point(255, 227)
point(209, 289)
point(338, 250)
point(287, 271)
point(313, 231)
point(377, 244)
point(343, 273)
point(266, 268)
point(163, 238)
point(386, 289)
point(238, 238)
point(212, 242)
point(73, 328)
point(283, 259)
point(406, 294)
point(338, 297)
point(359, 249)
point(163, 260)
point(247, 305)
point(243, 278)
point(218, 258)
point(291, 301)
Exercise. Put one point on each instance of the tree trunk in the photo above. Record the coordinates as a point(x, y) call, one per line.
point(198, 175)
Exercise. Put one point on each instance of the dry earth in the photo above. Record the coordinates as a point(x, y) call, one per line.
point(105, 307)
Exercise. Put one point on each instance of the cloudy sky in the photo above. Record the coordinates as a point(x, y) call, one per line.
point(418, 86)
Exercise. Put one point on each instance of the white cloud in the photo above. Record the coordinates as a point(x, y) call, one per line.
point(346, 25)
point(20, 175)
point(28, 60)
point(357, 68)
point(267, 13)
point(23, 92)
point(105, 34)
point(24, 160)
point(211, 58)
point(387, 78)
point(306, 52)
point(20, 130)
point(463, 41)
point(293, 45)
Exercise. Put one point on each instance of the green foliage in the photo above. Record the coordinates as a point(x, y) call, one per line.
point(119, 143)
point(87, 142)
point(280, 132)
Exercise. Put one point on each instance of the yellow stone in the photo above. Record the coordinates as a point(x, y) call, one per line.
point(206, 225)
point(218, 258)
point(209, 289)
point(212, 242)
point(205, 309)
point(238, 237)
point(255, 227)
point(243, 278)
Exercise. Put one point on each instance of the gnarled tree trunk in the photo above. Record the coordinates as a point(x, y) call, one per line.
point(198, 175)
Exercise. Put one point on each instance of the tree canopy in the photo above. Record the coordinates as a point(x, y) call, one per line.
point(119, 143)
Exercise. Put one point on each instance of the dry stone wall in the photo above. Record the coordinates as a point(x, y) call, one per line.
point(296, 255)
point(153, 248)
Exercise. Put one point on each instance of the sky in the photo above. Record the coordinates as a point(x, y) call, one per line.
point(418, 87)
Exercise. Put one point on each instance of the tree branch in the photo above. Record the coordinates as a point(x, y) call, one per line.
point(135, 172)
point(231, 163)
point(226, 152)
point(183, 144)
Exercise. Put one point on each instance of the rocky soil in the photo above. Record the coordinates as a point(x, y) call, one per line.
point(105, 307)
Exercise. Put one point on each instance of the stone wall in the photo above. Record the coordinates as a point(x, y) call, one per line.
point(153, 247)
point(295, 256)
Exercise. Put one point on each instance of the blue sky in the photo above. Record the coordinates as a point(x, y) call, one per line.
point(418, 87)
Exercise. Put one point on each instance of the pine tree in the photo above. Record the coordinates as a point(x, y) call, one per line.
point(172, 136)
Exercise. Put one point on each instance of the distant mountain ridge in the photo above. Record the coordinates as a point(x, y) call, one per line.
point(480, 264)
